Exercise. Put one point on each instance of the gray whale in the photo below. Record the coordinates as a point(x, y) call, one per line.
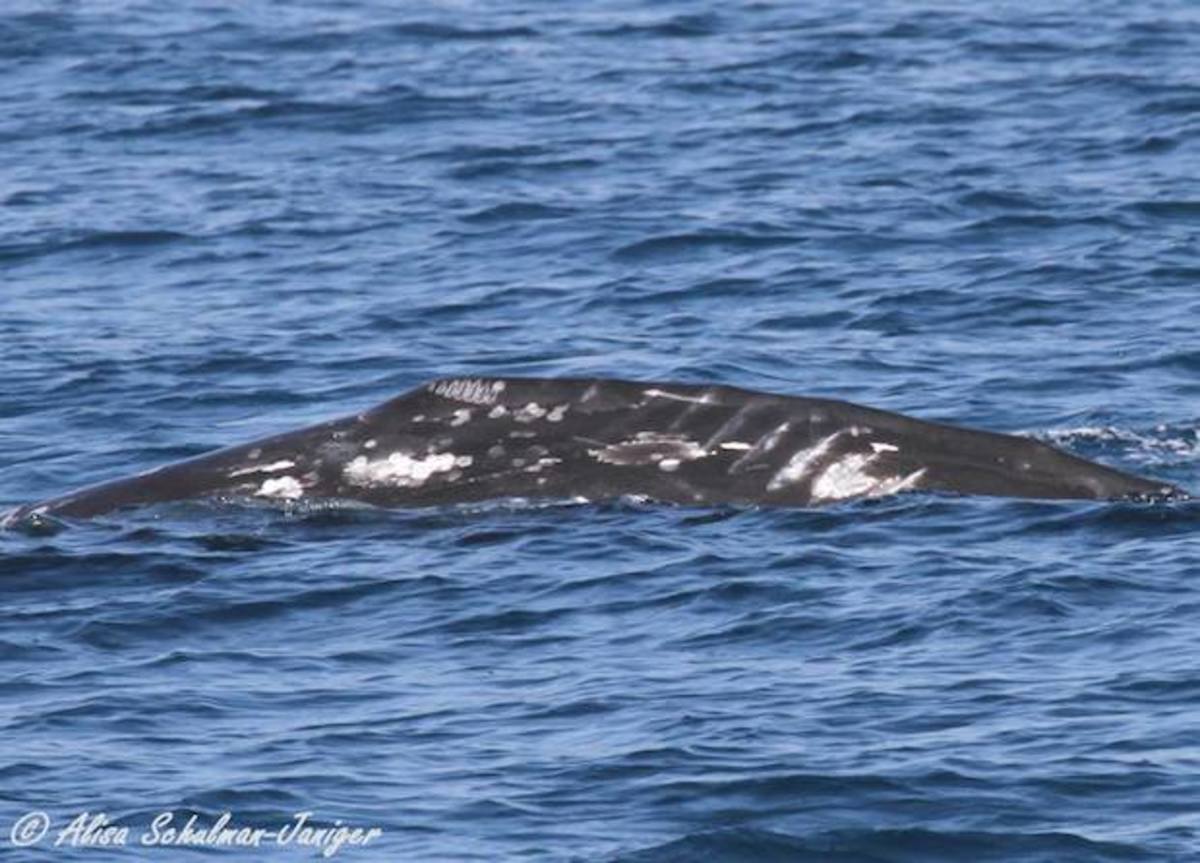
point(471, 439)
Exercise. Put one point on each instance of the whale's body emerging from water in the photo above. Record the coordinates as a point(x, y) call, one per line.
point(463, 440)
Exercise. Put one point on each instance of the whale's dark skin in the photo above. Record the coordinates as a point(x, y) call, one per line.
point(463, 440)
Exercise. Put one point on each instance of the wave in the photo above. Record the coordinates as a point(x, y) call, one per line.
point(741, 845)
point(670, 246)
point(92, 240)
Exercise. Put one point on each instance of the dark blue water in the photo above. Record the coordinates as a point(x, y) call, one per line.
point(219, 221)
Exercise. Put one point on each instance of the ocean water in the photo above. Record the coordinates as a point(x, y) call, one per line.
point(224, 220)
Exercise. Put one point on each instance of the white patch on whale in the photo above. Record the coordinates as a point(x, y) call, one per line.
point(897, 483)
point(802, 462)
point(764, 445)
point(845, 478)
point(274, 467)
point(529, 413)
point(470, 390)
point(284, 487)
point(400, 469)
point(663, 394)
point(540, 463)
point(650, 447)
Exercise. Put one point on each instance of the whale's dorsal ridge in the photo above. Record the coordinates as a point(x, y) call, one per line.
point(469, 438)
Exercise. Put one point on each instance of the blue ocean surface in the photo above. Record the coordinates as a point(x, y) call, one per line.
point(220, 221)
